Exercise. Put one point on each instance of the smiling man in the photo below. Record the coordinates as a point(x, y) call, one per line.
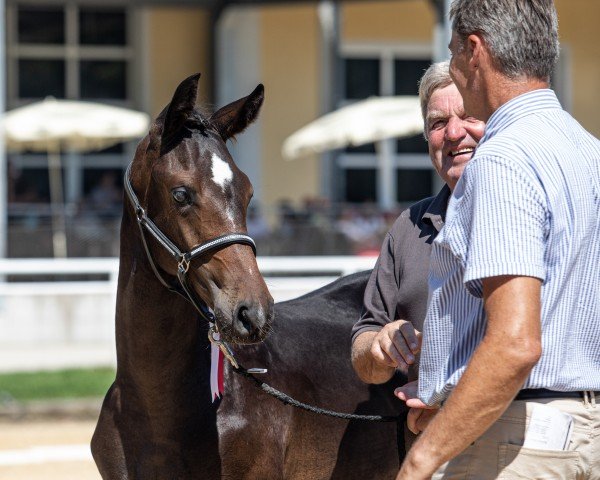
point(511, 341)
point(395, 300)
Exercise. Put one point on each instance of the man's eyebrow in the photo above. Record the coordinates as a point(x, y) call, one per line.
point(436, 115)
point(440, 115)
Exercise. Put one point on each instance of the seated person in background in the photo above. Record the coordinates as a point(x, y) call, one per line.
point(106, 197)
point(395, 303)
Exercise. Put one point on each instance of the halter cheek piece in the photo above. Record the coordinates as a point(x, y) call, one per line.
point(183, 259)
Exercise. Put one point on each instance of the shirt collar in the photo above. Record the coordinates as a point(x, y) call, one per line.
point(518, 107)
point(436, 212)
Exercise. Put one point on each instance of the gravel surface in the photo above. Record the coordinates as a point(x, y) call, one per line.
point(46, 449)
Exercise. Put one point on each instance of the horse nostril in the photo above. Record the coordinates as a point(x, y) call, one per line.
point(249, 322)
point(243, 318)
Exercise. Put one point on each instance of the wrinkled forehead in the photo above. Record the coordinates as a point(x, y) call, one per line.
point(444, 103)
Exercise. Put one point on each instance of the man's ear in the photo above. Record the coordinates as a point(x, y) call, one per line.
point(474, 46)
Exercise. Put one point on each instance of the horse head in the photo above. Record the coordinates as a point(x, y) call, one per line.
point(189, 185)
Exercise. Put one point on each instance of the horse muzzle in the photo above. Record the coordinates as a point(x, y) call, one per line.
point(246, 321)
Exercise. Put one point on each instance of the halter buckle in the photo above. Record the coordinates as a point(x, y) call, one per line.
point(184, 264)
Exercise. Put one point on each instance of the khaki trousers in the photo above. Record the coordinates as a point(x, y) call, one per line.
point(498, 453)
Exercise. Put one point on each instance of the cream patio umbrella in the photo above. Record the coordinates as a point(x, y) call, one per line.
point(366, 121)
point(372, 120)
point(53, 126)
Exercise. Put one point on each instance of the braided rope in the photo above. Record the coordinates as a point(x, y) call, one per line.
point(287, 400)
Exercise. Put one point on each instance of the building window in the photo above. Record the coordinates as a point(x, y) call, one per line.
point(362, 77)
point(74, 52)
point(41, 25)
point(384, 70)
point(68, 52)
point(102, 27)
point(407, 73)
point(103, 79)
point(361, 185)
point(40, 78)
point(413, 184)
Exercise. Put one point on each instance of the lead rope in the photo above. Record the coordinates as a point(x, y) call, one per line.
point(286, 399)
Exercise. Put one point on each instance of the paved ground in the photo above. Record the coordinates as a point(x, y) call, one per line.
point(46, 450)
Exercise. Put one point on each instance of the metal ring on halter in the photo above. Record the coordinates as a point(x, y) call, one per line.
point(227, 352)
point(140, 213)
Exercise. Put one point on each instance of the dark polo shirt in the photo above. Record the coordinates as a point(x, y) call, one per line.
point(397, 288)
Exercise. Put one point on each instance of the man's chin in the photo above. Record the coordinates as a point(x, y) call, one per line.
point(453, 173)
point(458, 162)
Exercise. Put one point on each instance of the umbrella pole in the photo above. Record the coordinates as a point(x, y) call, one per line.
point(57, 206)
point(386, 174)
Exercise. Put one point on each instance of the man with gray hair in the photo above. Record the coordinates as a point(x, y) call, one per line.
point(511, 341)
point(395, 299)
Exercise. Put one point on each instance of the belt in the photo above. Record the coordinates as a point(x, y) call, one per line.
point(536, 393)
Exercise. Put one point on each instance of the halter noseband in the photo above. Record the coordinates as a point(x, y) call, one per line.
point(183, 259)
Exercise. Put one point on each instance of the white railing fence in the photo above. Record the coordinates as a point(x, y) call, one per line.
point(58, 313)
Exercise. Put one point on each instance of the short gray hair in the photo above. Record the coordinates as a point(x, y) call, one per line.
point(522, 35)
point(435, 77)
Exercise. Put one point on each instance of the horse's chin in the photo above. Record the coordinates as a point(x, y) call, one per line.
point(229, 335)
point(236, 340)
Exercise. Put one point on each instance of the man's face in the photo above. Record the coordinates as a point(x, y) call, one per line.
point(452, 134)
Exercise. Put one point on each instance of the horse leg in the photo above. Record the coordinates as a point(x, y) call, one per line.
point(250, 446)
point(312, 450)
point(107, 447)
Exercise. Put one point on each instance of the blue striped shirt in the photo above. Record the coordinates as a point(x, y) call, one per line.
point(528, 204)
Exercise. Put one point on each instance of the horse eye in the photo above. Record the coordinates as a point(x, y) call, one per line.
point(181, 195)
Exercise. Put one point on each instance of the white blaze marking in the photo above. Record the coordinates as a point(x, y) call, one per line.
point(221, 171)
point(222, 176)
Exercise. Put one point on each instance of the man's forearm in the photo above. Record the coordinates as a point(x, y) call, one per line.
point(497, 370)
point(479, 399)
point(365, 366)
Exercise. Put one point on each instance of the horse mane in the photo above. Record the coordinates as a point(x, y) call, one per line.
point(197, 121)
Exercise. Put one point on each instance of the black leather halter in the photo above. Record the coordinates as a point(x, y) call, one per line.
point(183, 259)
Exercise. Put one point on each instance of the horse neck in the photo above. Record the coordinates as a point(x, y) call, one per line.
point(159, 336)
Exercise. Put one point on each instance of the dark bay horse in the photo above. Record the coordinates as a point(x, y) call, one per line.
point(308, 357)
point(157, 420)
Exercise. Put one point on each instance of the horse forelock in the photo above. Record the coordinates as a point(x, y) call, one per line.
point(196, 122)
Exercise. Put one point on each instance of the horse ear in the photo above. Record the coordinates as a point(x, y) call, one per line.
point(235, 117)
point(181, 106)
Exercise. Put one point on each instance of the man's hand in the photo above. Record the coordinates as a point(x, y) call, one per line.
point(419, 414)
point(375, 355)
point(396, 345)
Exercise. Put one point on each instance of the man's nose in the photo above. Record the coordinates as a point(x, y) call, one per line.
point(454, 129)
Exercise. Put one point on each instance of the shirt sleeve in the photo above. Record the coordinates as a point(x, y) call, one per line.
point(499, 223)
point(379, 302)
